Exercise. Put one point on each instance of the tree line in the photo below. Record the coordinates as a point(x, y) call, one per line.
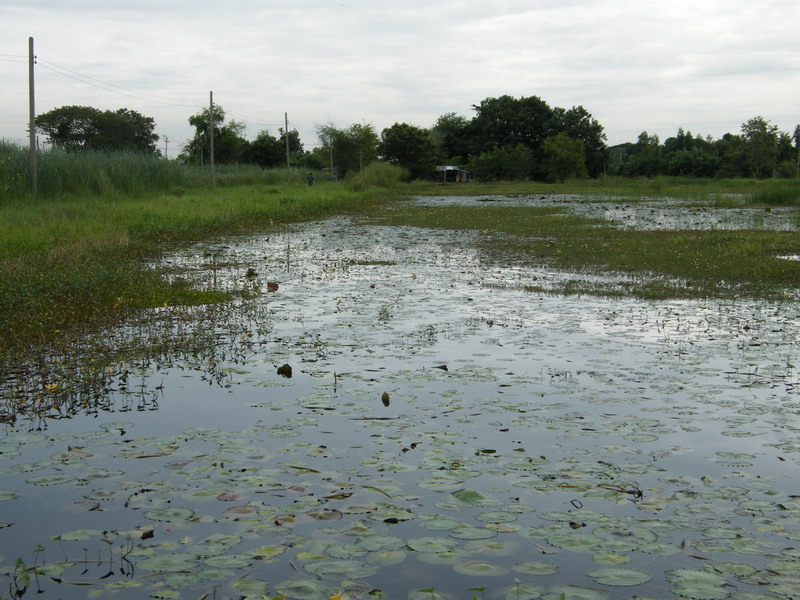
point(507, 138)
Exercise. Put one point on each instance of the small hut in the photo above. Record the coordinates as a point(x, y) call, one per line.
point(451, 174)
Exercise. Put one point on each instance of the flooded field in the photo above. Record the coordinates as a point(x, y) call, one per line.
point(394, 416)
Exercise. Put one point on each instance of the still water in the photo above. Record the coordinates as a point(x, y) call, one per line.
point(443, 434)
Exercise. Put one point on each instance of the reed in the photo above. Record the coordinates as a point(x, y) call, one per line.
point(69, 262)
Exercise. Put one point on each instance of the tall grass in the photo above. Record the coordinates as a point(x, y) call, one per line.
point(72, 257)
point(61, 173)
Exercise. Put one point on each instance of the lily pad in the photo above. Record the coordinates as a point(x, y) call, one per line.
point(170, 514)
point(168, 562)
point(619, 576)
point(351, 569)
point(480, 568)
point(572, 592)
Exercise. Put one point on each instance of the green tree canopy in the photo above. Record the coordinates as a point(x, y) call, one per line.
point(229, 143)
point(564, 157)
point(77, 128)
point(451, 134)
point(508, 121)
point(506, 163)
point(579, 125)
point(350, 149)
point(410, 147)
point(761, 141)
point(265, 150)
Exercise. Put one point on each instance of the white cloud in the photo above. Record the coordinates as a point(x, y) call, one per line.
point(704, 65)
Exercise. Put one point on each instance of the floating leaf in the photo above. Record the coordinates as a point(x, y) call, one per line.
point(50, 479)
point(469, 496)
point(619, 576)
point(480, 568)
point(698, 585)
point(169, 514)
point(341, 568)
point(472, 533)
point(431, 544)
point(251, 587)
point(168, 562)
point(229, 561)
point(524, 591)
point(572, 592)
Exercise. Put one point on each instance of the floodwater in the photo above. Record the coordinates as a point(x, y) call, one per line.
point(443, 434)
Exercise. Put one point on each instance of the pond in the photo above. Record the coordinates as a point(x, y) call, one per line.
point(392, 415)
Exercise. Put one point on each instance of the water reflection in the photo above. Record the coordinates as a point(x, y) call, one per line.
point(516, 426)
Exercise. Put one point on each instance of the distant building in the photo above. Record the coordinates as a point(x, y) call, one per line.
point(451, 174)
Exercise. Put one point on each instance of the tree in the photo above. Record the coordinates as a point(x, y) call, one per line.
point(564, 157)
point(508, 163)
point(265, 150)
point(347, 150)
point(77, 128)
point(579, 125)
point(761, 142)
point(732, 153)
point(646, 157)
point(409, 147)
point(229, 143)
point(450, 133)
point(508, 121)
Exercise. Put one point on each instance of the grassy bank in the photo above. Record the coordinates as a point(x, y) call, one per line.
point(75, 261)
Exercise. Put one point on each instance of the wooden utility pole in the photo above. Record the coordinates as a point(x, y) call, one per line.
point(32, 115)
point(211, 126)
point(286, 136)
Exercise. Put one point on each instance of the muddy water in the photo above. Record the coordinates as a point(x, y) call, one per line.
point(441, 430)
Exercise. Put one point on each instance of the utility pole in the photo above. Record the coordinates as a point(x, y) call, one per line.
point(797, 143)
point(166, 147)
point(32, 115)
point(286, 136)
point(211, 124)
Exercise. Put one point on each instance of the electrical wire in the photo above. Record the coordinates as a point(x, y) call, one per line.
point(110, 87)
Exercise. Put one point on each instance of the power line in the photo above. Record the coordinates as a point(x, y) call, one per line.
point(110, 87)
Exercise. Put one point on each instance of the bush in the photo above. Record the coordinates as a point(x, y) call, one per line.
point(377, 175)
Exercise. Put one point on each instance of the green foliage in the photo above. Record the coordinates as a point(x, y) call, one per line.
point(697, 263)
point(564, 158)
point(761, 141)
point(347, 151)
point(76, 261)
point(83, 128)
point(409, 147)
point(378, 175)
point(512, 163)
point(229, 143)
point(265, 151)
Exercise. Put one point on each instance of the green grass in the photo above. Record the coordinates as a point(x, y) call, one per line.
point(71, 262)
point(71, 257)
point(721, 192)
point(666, 264)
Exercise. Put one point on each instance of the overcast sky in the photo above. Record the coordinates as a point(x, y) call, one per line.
point(703, 65)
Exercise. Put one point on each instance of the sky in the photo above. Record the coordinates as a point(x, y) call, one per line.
point(706, 66)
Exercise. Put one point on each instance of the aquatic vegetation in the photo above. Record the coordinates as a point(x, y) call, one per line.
point(474, 439)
